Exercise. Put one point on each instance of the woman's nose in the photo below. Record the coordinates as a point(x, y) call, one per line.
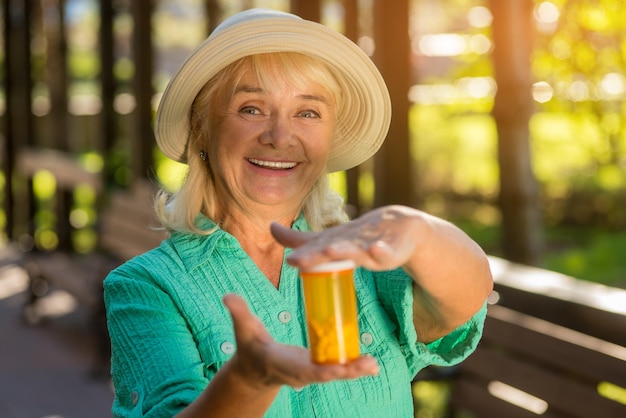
point(279, 132)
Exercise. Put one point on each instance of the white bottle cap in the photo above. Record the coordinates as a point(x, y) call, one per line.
point(337, 265)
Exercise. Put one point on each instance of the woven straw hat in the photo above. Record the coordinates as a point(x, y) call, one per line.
point(363, 123)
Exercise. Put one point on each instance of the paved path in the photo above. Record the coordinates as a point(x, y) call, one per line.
point(45, 369)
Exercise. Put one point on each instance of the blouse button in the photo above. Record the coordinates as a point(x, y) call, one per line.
point(227, 347)
point(134, 397)
point(284, 317)
point(366, 338)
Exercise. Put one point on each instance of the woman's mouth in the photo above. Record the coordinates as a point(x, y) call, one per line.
point(274, 165)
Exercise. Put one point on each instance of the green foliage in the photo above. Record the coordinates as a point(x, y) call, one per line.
point(454, 149)
point(431, 398)
point(170, 173)
point(84, 64)
point(593, 254)
point(597, 255)
point(577, 138)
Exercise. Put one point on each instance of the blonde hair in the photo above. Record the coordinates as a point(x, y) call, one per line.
point(179, 210)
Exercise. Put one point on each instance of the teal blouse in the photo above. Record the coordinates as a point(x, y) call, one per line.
point(170, 332)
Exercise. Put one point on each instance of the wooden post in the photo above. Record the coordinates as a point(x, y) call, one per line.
point(309, 10)
point(18, 118)
point(393, 178)
point(108, 118)
point(6, 158)
point(56, 75)
point(521, 223)
point(214, 14)
point(57, 80)
point(143, 141)
point(352, 175)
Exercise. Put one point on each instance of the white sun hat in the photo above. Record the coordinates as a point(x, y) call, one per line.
point(363, 122)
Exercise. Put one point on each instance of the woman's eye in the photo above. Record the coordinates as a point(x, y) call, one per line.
point(249, 110)
point(309, 114)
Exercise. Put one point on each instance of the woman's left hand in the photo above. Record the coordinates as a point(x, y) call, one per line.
point(450, 272)
point(382, 239)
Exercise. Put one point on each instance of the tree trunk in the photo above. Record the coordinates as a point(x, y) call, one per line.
point(521, 221)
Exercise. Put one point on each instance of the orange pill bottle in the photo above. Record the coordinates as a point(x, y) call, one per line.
point(331, 312)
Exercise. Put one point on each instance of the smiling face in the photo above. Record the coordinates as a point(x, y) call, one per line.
point(273, 139)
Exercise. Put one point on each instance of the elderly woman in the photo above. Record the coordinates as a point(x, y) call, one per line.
point(211, 323)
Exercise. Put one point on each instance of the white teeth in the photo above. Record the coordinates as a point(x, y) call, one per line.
point(273, 164)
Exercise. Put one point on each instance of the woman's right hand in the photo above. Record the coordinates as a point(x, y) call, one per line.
point(264, 363)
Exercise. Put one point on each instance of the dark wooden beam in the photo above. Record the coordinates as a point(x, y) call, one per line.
point(108, 86)
point(393, 178)
point(53, 17)
point(351, 23)
point(309, 10)
point(143, 141)
point(18, 120)
point(214, 14)
point(56, 78)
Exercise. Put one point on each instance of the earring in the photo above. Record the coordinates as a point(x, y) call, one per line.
point(203, 155)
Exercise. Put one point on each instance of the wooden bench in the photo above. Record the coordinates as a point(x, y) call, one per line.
point(126, 228)
point(547, 350)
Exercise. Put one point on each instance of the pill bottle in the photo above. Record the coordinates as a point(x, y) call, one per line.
point(331, 312)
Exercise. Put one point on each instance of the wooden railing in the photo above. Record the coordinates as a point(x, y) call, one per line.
point(553, 346)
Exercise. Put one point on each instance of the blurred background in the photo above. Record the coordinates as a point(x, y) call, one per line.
point(525, 143)
point(509, 120)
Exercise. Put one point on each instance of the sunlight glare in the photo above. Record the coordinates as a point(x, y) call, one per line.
point(442, 44)
point(547, 12)
point(560, 49)
point(578, 91)
point(366, 43)
point(85, 105)
point(124, 103)
point(13, 281)
point(517, 397)
point(542, 92)
point(480, 44)
point(56, 304)
point(612, 86)
point(478, 87)
point(451, 44)
point(40, 105)
point(479, 17)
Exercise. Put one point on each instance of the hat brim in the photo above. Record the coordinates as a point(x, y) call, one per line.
point(362, 125)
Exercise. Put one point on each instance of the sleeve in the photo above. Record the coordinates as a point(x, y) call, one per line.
point(153, 376)
point(395, 293)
